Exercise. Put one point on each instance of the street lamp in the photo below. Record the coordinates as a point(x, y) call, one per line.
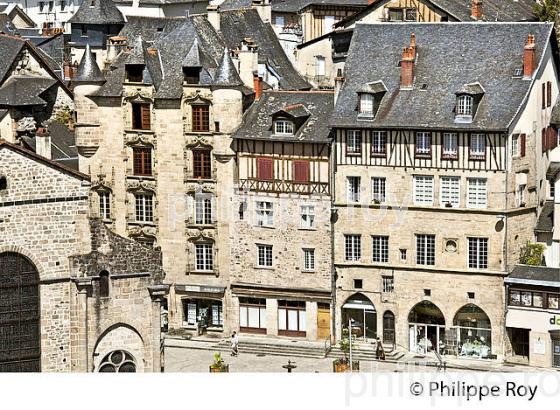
point(350, 340)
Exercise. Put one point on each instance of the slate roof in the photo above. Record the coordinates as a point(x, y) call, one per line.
point(545, 223)
point(237, 25)
point(88, 70)
point(492, 10)
point(311, 109)
point(24, 90)
point(448, 57)
point(235, 4)
point(102, 12)
point(160, 2)
point(534, 275)
point(293, 6)
point(555, 114)
point(9, 49)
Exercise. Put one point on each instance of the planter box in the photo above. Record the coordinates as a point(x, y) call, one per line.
point(223, 369)
point(345, 367)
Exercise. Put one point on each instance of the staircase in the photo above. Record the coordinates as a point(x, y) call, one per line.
point(367, 352)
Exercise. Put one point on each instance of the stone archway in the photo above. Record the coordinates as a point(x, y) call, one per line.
point(359, 310)
point(426, 328)
point(120, 347)
point(20, 314)
point(474, 331)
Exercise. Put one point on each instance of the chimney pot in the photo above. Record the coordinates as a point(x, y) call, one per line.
point(407, 67)
point(257, 86)
point(529, 57)
point(476, 9)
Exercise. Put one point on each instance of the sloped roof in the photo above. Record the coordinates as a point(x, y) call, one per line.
point(88, 70)
point(534, 275)
point(448, 56)
point(293, 6)
point(24, 90)
point(9, 50)
point(97, 12)
point(63, 145)
point(492, 10)
point(237, 25)
point(545, 222)
point(314, 107)
point(227, 74)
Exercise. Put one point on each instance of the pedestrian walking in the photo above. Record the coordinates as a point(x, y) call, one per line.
point(234, 344)
point(379, 350)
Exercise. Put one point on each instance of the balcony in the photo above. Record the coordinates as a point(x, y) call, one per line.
point(279, 186)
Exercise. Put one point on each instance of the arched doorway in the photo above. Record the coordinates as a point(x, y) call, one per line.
point(389, 327)
point(426, 326)
point(474, 332)
point(360, 311)
point(20, 336)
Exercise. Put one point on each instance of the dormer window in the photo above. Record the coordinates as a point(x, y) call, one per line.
point(283, 127)
point(465, 106)
point(134, 73)
point(366, 105)
point(468, 98)
point(191, 75)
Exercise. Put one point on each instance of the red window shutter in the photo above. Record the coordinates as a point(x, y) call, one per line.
point(548, 94)
point(522, 142)
point(543, 96)
point(301, 171)
point(265, 168)
point(145, 115)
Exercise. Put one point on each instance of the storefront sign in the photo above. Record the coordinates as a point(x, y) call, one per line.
point(539, 347)
point(199, 289)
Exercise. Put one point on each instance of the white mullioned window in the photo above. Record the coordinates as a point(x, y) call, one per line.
point(450, 145)
point(515, 145)
point(353, 189)
point(203, 210)
point(264, 255)
point(423, 143)
point(353, 141)
point(265, 213)
point(423, 190)
point(378, 189)
point(380, 248)
point(465, 105)
point(426, 249)
point(477, 147)
point(366, 104)
point(309, 259)
point(204, 253)
point(388, 284)
point(285, 127)
point(308, 217)
point(105, 205)
point(352, 247)
point(477, 195)
point(144, 207)
point(450, 191)
point(478, 253)
point(378, 142)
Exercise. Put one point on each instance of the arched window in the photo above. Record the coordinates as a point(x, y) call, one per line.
point(474, 332)
point(118, 361)
point(465, 105)
point(104, 284)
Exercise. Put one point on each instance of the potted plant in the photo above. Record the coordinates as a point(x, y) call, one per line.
point(219, 365)
point(343, 365)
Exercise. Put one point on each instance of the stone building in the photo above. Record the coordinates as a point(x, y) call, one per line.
point(74, 297)
point(280, 269)
point(155, 133)
point(438, 182)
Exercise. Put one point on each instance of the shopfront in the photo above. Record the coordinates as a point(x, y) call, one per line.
point(426, 327)
point(292, 318)
point(474, 332)
point(202, 307)
point(359, 313)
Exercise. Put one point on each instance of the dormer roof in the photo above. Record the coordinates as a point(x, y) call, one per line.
point(473, 89)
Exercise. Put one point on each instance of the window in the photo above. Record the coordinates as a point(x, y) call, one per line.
point(476, 195)
point(515, 145)
point(410, 14)
point(320, 69)
point(201, 118)
point(380, 248)
point(464, 106)
point(3, 183)
point(396, 15)
point(105, 205)
point(62, 5)
point(118, 361)
point(470, 295)
point(279, 21)
point(142, 160)
point(402, 255)
point(291, 318)
point(209, 311)
point(477, 146)
point(104, 284)
point(426, 249)
point(204, 256)
point(134, 73)
point(535, 299)
point(358, 283)
point(203, 210)
point(265, 213)
point(265, 170)
point(543, 96)
point(353, 187)
point(352, 247)
point(548, 93)
point(191, 75)
point(520, 195)
point(423, 143)
point(309, 259)
point(378, 189)
point(202, 165)
point(423, 190)
point(83, 30)
point(449, 150)
point(450, 192)
point(328, 24)
point(478, 253)
point(285, 127)
point(144, 208)
point(366, 104)
point(141, 116)
point(353, 142)
point(378, 143)
point(308, 217)
point(252, 315)
point(427, 292)
point(300, 170)
point(264, 255)
point(388, 283)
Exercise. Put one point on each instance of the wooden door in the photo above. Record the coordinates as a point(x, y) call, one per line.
point(389, 327)
point(323, 321)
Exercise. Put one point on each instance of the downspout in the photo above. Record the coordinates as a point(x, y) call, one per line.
point(508, 168)
point(332, 216)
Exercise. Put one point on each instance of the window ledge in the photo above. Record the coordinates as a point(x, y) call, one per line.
point(138, 131)
point(307, 229)
point(144, 177)
point(379, 155)
point(308, 271)
point(264, 267)
point(353, 154)
point(265, 226)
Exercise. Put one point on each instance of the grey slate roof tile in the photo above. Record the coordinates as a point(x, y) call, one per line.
point(24, 90)
point(522, 273)
point(448, 57)
point(545, 222)
point(9, 50)
point(293, 6)
point(97, 12)
point(88, 70)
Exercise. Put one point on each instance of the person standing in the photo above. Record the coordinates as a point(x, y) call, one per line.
point(379, 350)
point(234, 344)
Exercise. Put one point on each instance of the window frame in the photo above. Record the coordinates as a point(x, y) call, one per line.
point(378, 143)
point(141, 116)
point(477, 155)
point(264, 214)
point(206, 264)
point(387, 284)
point(267, 255)
point(203, 209)
point(356, 147)
point(104, 205)
point(450, 154)
point(478, 259)
point(200, 117)
point(142, 161)
point(287, 126)
point(309, 259)
point(353, 194)
point(425, 249)
point(443, 202)
point(202, 163)
point(352, 247)
point(366, 100)
point(423, 144)
point(465, 107)
point(416, 187)
point(380, 248)
point(309, 212)
point(144, 207)
point(379, 184)
point(477, 204)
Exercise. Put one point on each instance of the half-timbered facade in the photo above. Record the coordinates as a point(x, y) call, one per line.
point(281, 260)
point(438, 178)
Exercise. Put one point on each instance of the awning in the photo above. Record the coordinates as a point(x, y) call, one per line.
point(358, 306)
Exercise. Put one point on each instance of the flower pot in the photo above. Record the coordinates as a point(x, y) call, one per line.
point(223, 369)
point(345, 367)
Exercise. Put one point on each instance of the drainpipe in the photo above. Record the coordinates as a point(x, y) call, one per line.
point(506, 240)
point(332, 215)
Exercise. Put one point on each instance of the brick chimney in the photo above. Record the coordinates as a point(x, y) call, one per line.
point(476, 9)
point(257, 86)
point(407, 68)
point(338, 82)
point(529, 57)
point(413, 43)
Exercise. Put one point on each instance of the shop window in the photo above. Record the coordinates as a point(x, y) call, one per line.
point(201, 118)
point(519, 339)
point(426, 328)
point(202, 312)
point(252, 315)
point(292, 319)
point(359, 313)
point(474, 332)
point(141, 116)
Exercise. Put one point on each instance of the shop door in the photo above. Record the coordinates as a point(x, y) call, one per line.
point(389, 327)
point(556, 353)
point(323, 321)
